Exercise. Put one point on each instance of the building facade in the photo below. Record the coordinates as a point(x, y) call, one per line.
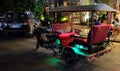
point(56, 3)
point(77, 16)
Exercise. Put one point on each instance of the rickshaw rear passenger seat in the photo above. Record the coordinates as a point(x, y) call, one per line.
point(97, 34)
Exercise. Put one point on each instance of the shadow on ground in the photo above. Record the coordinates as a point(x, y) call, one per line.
point(38, 61)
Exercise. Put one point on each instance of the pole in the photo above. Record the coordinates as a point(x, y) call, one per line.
point(56, 1)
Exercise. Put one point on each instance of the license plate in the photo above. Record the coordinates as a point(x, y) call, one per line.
point(98, 54)
point(15, 26)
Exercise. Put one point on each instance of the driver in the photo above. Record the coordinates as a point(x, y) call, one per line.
point(42, 32)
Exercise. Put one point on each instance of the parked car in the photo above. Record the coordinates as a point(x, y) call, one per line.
point(1, 21)
point(19, 22)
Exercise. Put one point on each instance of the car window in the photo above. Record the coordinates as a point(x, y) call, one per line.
point(15, 17)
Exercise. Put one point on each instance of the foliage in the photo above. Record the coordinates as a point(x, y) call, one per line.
point(36, 6)
point(39, 7)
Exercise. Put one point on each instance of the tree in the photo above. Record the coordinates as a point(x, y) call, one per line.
point(36, 6)
point(39, 7)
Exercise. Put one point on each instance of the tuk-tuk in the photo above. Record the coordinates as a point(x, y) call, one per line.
point(69, 42)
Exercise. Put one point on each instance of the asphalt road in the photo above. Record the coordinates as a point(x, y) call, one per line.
point(17, 54)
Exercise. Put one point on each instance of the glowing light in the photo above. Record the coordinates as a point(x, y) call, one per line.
point(58, 41)
point(86, 17)
point(52, 61)
point(42, 17)
point(65, 3)
point(63, 19)
point(77, 50)
point(80, 46)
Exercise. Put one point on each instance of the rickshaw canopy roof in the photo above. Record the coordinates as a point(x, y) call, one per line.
point(99, 7)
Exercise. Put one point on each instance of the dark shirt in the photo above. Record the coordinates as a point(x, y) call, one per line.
point(97, 23)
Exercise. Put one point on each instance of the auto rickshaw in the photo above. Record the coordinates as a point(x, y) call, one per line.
point(71, 44)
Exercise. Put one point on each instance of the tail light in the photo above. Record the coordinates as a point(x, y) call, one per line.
point(4, 24)
point(27, 22)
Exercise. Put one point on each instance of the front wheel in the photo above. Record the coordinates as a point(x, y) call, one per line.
point(69, 57)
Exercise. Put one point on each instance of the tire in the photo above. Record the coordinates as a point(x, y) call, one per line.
point(69, 57)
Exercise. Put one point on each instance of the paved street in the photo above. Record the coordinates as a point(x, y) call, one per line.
point(17, 55)
point(20, 17)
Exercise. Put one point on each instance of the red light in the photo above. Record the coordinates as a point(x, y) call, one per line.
point(27, 22)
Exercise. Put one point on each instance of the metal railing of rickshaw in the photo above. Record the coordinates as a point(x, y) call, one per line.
point(84, 8)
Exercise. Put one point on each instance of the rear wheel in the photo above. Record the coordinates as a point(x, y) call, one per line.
point(69, 57)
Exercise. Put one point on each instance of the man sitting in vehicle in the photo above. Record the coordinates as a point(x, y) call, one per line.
point(98, 22)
